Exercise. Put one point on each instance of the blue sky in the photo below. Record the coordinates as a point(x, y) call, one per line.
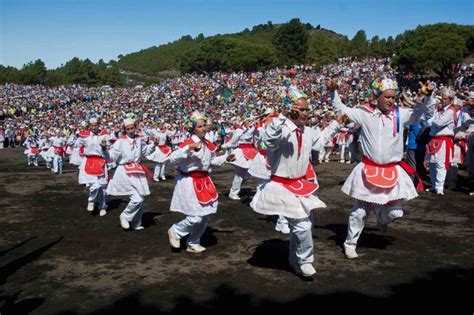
point(58, 30)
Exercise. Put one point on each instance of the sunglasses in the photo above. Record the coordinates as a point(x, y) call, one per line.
point(305, 110)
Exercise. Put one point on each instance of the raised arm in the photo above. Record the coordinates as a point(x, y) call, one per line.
point(273, 133)
point(354, 114)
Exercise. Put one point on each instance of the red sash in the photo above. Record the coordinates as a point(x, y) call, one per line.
point(95, 165)
point(211, 146)
point(165, 149)
point(386, 175)
point(248, 150)
point(310, 172)
point(137, 169)
point(434, 146)
point(342, 135)
point(298, 186)
point(204, 187)
point(462, 144)
point(34, 150)
point(58, 150)
point(81, 150)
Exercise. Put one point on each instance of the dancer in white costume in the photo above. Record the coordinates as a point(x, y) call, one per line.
point(381, 180)
point(288, 193)
point(243, 145)
point(194, 194)
point(93, 170)
point(130, 177)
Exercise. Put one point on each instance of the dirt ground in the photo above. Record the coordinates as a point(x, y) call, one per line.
point(57, 258)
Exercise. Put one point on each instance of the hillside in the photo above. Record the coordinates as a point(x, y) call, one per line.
point(155, 60)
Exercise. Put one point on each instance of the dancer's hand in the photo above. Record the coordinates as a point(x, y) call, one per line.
point(195, 146)
point(426, 164)
point(231, 158)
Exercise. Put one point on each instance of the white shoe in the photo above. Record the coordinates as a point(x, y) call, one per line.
point(196, 249)
point(284, 230)
point(90, 206)
point(305, 270)
point(174, 242)
point(156, 180)
point(138, 228)
point(163, 178)
point(341, 161)
point(124, 222)
point(440, 193)
point(350, 252)
point(348, 162)
point(327, 161)
point(102, 212)
point(234, 197)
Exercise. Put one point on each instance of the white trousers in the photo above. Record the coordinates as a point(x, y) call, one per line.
point(97, 195)
point(33, 159)
point(325, 154)
point(360, 212)
point(58, 164)
point(438, 175)
point(342, 152)
point(133, 212)
point(159, 171)
point(241, 174)
point(282, 223)
point(301, 241)
point(194, 226)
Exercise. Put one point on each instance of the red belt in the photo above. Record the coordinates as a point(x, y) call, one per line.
point(246, 146)
point(449, 152)
point(195, 174)
point(402, 164)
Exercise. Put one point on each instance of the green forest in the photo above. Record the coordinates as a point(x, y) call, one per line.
point(436, 47)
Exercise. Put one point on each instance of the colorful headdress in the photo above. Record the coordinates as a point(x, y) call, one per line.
point(290, 95)
point(385, 82)
point(128, 122)
point(191, 121)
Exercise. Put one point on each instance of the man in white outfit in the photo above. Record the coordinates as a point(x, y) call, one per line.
point(130, 177)
point(381, 180)
point(440, 149)
point(288, 193)
point(243, 145)
point(194, 194)
point(93, 170)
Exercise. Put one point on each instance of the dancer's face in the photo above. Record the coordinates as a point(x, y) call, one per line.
point(386, 101)
point(130, 131)
point(200, 129)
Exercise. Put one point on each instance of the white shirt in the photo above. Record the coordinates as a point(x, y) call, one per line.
point(127, 150)
point(376, 137)
point(280, 137)
point(187, 160)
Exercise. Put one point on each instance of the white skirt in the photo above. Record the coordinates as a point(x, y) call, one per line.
point(75, 158)
point(185, 201)
point(123, 184)
point(158, 156)
point(356, 187)
point(85, 178)
point(45, 154)
point(240, 159)
point(258, 167)
point(274, 199)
